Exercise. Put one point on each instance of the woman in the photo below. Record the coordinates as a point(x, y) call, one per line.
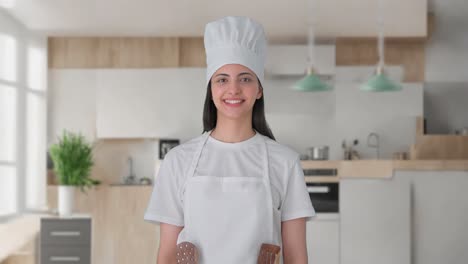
point(234, 187)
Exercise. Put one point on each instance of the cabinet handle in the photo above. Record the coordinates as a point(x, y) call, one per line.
point(65, 233)
point(318, 189)
point(64, 258)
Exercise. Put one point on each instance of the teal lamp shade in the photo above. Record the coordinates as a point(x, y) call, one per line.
point(311, 83)
point(380, 83)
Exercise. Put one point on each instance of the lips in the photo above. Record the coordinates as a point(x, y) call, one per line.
point(233, 102)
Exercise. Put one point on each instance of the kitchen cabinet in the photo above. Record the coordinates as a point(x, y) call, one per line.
point(65, 240)
point(149, 103)
point(323, 239)
point(439, 216)
point(120, 235)
point(375, 221)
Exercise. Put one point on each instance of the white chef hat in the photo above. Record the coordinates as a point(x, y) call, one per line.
point(235, 40)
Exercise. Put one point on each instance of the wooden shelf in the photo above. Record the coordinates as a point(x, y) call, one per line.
point(438, 147)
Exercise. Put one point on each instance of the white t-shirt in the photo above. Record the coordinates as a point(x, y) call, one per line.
point(223, 159)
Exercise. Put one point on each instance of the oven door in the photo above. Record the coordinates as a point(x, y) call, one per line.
point(324, 196)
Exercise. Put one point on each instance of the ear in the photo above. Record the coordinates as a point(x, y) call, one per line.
point(260, 92)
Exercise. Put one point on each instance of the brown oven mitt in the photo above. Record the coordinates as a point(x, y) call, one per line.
point(186, 253)
point(269, 254)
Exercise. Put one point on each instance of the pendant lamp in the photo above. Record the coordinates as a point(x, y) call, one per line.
point(379, 82)
point(311, 82)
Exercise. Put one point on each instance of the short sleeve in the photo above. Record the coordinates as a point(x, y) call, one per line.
point(296, 202)
point(164, 204)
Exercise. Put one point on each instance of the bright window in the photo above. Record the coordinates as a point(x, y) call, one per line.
point(7, 124)
point(37, 65)
point(8, 56)
point(23, 71)
point(8, 186)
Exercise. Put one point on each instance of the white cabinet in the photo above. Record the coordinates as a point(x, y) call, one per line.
point(375, 221)
point(323, 239)
point(440, 216)
point(142, 103)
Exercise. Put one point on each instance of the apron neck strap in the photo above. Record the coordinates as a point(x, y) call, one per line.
point(199, 149)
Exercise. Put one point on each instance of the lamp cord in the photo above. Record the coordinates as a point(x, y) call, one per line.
point(380, 22)
point(311, 35)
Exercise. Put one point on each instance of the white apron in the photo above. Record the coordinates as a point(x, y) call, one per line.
point(228, 218)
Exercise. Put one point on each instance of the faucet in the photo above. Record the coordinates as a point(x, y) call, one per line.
point(130, 179)
point(375, 145)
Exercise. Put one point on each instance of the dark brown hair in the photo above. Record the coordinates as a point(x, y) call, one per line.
point(259, 122)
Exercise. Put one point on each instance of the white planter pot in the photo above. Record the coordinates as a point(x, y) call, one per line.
point(66, 200)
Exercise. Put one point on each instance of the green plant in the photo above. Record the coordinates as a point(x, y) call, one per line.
point(73, 160)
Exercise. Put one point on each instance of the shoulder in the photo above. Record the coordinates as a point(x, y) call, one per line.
point(280, 153)
point(284, 164)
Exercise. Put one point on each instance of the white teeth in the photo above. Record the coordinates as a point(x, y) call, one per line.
point(232, 101)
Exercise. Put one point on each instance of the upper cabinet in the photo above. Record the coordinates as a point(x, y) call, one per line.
point(148, 103)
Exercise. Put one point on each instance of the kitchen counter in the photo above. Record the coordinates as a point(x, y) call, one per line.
point(378, 168)
point(120, 235)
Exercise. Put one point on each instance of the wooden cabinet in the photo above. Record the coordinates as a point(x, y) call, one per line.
point(125, 52)
point(149, 103)
point(120, 234)
point(375, 221)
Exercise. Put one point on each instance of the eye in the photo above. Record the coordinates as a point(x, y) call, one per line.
point(221, 80)
point(246, 79)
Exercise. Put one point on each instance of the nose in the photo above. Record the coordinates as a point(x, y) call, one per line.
point(234, 87)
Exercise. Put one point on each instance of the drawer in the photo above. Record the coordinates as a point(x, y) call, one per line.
point(65, 231)
point(65, 255)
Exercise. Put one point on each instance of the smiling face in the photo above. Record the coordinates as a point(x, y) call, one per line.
point(235, 88)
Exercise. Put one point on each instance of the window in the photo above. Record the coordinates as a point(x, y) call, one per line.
point(23, 98)
point(8, 126)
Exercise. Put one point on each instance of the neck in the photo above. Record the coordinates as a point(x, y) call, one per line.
point(232, 131)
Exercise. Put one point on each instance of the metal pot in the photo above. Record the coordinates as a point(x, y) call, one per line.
point(318, 153)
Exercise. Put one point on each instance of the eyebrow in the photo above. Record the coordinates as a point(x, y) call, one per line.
point(225, 74)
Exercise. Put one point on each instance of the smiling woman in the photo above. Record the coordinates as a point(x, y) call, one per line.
point(242, 197)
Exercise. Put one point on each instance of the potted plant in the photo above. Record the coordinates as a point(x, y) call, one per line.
point(73, 160)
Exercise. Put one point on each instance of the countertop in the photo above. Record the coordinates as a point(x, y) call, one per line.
point(378, 168)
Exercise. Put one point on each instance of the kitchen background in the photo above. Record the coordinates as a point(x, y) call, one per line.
point(126, 92)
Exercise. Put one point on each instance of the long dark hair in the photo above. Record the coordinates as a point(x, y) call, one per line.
point(259, 122)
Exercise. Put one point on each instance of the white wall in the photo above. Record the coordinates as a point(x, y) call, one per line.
point(446, 86)
point(447, 52)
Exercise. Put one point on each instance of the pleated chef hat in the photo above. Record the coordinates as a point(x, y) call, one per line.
point(235, 40)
